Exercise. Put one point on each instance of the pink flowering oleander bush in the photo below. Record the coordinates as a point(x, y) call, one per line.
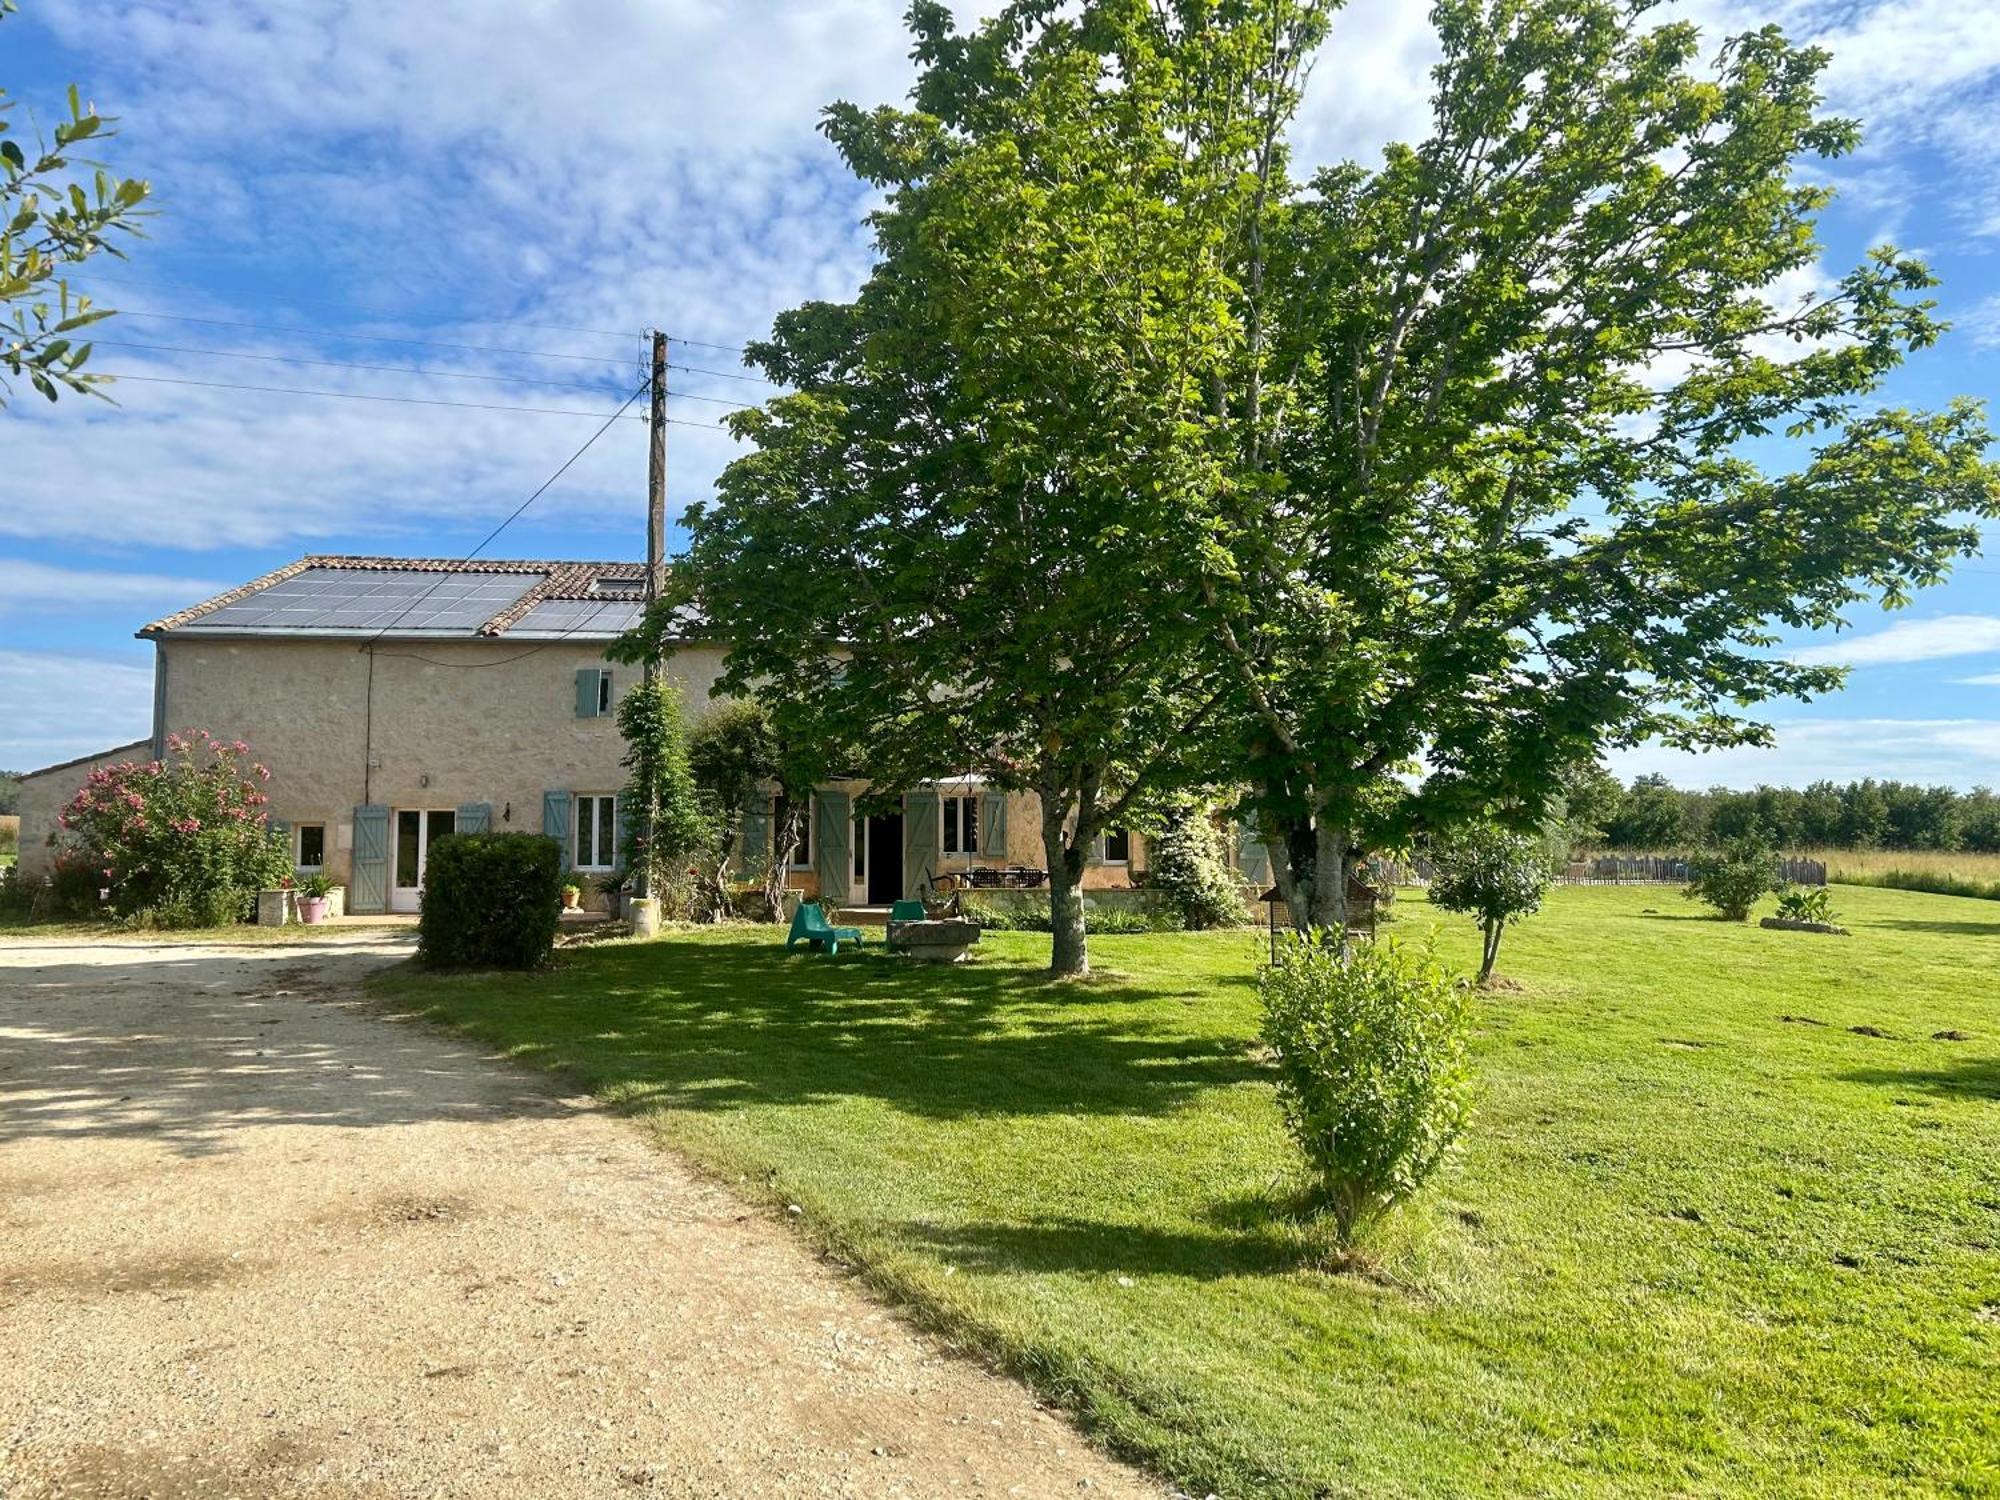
point(180, 842)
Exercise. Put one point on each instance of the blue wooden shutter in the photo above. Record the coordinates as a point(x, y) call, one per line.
point(586, 692)
point(474, 817)
point(922, 813)
point(555, 822)
point(993, 827)
point(833, 836)
point(1252, 858)
point(369, 884)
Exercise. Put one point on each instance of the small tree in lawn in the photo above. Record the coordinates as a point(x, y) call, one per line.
point(1493, 875)
point(1735, 876)
point(181, 842)
point(1373, 1075)
point(660, 794)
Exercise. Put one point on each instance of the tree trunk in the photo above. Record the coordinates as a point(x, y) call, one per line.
point(1069, 951)
point(1329, 912)
point(1490, 950)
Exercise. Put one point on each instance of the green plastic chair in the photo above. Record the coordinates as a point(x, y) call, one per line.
point(810, 926)
point(905, 911)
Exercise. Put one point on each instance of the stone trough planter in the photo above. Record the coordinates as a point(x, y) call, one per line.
point(937, 940)
point(1788, 924)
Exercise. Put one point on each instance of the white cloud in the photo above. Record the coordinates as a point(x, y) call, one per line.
point(1907, 641)
point(38, 587)
point(1955, 752)
point(61, 706)
point(1984, 679)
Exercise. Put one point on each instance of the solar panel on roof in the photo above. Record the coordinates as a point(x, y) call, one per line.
point(357, 599)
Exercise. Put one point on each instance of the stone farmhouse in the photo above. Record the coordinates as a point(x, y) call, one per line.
point(397, 700)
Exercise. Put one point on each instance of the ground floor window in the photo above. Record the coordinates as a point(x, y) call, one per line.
point(596, 831)
point(782, 808)
point(312, 846)
point(1117, 846)
point(961, 825)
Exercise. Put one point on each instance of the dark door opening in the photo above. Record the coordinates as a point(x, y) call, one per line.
point(885, 859)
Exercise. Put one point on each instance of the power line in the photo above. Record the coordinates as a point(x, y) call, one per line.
point(343, 364)
point(171, 284)
point(281, 390)
point(517, 512)
point(725, 375)
point(372, 338)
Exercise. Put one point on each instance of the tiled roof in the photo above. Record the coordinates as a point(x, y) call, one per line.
point(347, 597)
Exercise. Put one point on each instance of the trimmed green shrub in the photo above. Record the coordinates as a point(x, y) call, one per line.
point(1185, 863)
point(1373, 1075)
point(491, 901)
point(1106, 921)
point(1734, 877)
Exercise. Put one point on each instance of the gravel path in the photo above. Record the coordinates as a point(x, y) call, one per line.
point(257, 1242)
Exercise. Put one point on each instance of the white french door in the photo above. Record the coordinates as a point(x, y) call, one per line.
point(416, 827)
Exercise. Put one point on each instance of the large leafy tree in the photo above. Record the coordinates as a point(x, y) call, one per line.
point(1508, 491)
point(53, 218)
point(960, 546)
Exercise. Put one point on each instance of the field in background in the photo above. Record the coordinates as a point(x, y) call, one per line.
point(1959, 874)
point(10, 837)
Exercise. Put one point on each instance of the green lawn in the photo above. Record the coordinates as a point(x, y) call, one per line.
point(1703, 1238)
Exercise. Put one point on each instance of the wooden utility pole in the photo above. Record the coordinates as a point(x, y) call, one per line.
point(656, 553)
point(656, 478)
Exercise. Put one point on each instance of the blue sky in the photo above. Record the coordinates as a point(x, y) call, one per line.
point(531, 184)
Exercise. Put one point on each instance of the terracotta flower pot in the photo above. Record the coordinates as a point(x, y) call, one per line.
point(312, 909)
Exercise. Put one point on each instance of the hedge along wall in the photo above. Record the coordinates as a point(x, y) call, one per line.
point(1138, 899)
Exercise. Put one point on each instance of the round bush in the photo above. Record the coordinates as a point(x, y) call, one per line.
point(1372, 1069)
point(491, 901)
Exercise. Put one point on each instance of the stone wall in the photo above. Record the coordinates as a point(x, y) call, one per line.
point(439, 725)
point(44, 793)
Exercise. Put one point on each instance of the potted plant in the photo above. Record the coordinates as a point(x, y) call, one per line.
point(572, 897)
point(313, 893)
point(612, 889)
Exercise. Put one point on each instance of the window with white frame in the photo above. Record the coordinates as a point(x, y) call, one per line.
point(1117, 846)
point(961, 825)
point(596, 831)
point(782, 808)
point(312, 846)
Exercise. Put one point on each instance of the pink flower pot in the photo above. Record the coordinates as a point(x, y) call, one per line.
point(312, 909)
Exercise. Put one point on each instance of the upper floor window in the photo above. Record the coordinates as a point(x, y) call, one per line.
point(593, 692)
point(961, 825)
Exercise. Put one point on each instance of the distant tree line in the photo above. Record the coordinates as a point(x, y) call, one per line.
point(1652, 813)
point(10, 792)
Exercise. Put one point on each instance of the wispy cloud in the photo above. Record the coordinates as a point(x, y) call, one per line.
point(39, 587)
point(1953, 752)
point(61, 706)
point(1908, 641)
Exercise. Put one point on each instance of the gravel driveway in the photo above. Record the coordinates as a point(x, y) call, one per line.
point(257, 1242)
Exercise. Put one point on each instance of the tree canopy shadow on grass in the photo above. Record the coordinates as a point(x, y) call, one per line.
point(1065, 1245)
point(713, 1026)
point(1974, 1078)
point(1947, 929)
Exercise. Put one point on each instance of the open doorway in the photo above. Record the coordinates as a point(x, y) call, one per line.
point(885, 859)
